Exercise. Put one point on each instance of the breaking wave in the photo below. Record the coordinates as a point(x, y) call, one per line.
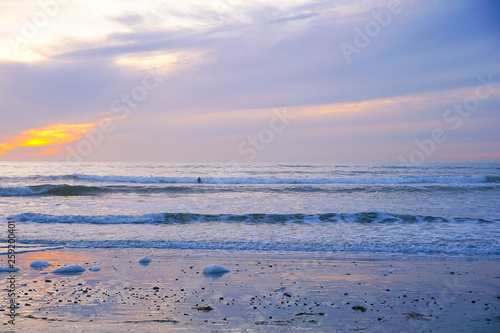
point(176, 218)
point(276, 180)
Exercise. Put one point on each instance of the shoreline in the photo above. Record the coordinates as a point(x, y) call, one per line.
point(264, 291)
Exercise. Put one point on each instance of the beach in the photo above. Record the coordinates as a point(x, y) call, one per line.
point(263, 292)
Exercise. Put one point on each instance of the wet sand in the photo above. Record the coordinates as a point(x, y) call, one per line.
point(263, 292)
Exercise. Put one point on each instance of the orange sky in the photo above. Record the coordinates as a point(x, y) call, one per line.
point(49, 136)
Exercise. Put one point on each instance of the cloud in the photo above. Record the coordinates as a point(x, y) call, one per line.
point(294, 18)
point(129, 19)
point(242, 56)
point(377, 130)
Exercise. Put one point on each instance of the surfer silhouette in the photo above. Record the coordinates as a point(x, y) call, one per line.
point(199, 180)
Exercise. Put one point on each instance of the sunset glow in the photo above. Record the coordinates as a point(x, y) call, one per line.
point(159, 61)
point(53, 135)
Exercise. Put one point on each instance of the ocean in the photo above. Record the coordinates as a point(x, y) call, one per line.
point(432, 209)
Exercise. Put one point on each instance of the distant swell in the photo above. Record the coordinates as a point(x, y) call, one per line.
point(60, 190)
point(163, 189)
point(176, 218)
point(275, 180)
point(82, 190)
point(492, 179)
point(53, 184)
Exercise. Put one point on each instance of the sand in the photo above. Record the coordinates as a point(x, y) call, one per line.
point(263, 292)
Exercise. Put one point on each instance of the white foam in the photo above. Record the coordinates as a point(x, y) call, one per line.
point(214, 269)
point(73, 269)
point(39, 264)
point(144, 261)
point(17, 191)
point(102, 219)
point(8, 269)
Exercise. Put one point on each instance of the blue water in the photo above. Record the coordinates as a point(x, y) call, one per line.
point(453, 209)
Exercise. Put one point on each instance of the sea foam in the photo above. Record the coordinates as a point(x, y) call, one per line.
point(73, 269)
point(215, 270)
point(39, 264)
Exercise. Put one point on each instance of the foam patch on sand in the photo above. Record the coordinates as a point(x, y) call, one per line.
point(144, 261)
point(40, 264)
point(215, 270)
point(8, 269)
point(73, 269)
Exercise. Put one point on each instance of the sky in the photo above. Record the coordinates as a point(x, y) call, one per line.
point(250, 81)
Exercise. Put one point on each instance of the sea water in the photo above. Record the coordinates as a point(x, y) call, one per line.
point(447, 209)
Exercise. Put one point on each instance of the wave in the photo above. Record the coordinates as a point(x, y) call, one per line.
point(26, 248)
point(160, 189)
point(62, 190)
point(178, 218)
point(259, 181)
point(160, 185)
point(276, 180)
point(82, 190)
point(309, 247)
point(493, 179)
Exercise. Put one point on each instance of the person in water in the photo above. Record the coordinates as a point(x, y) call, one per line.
point(199, 180)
